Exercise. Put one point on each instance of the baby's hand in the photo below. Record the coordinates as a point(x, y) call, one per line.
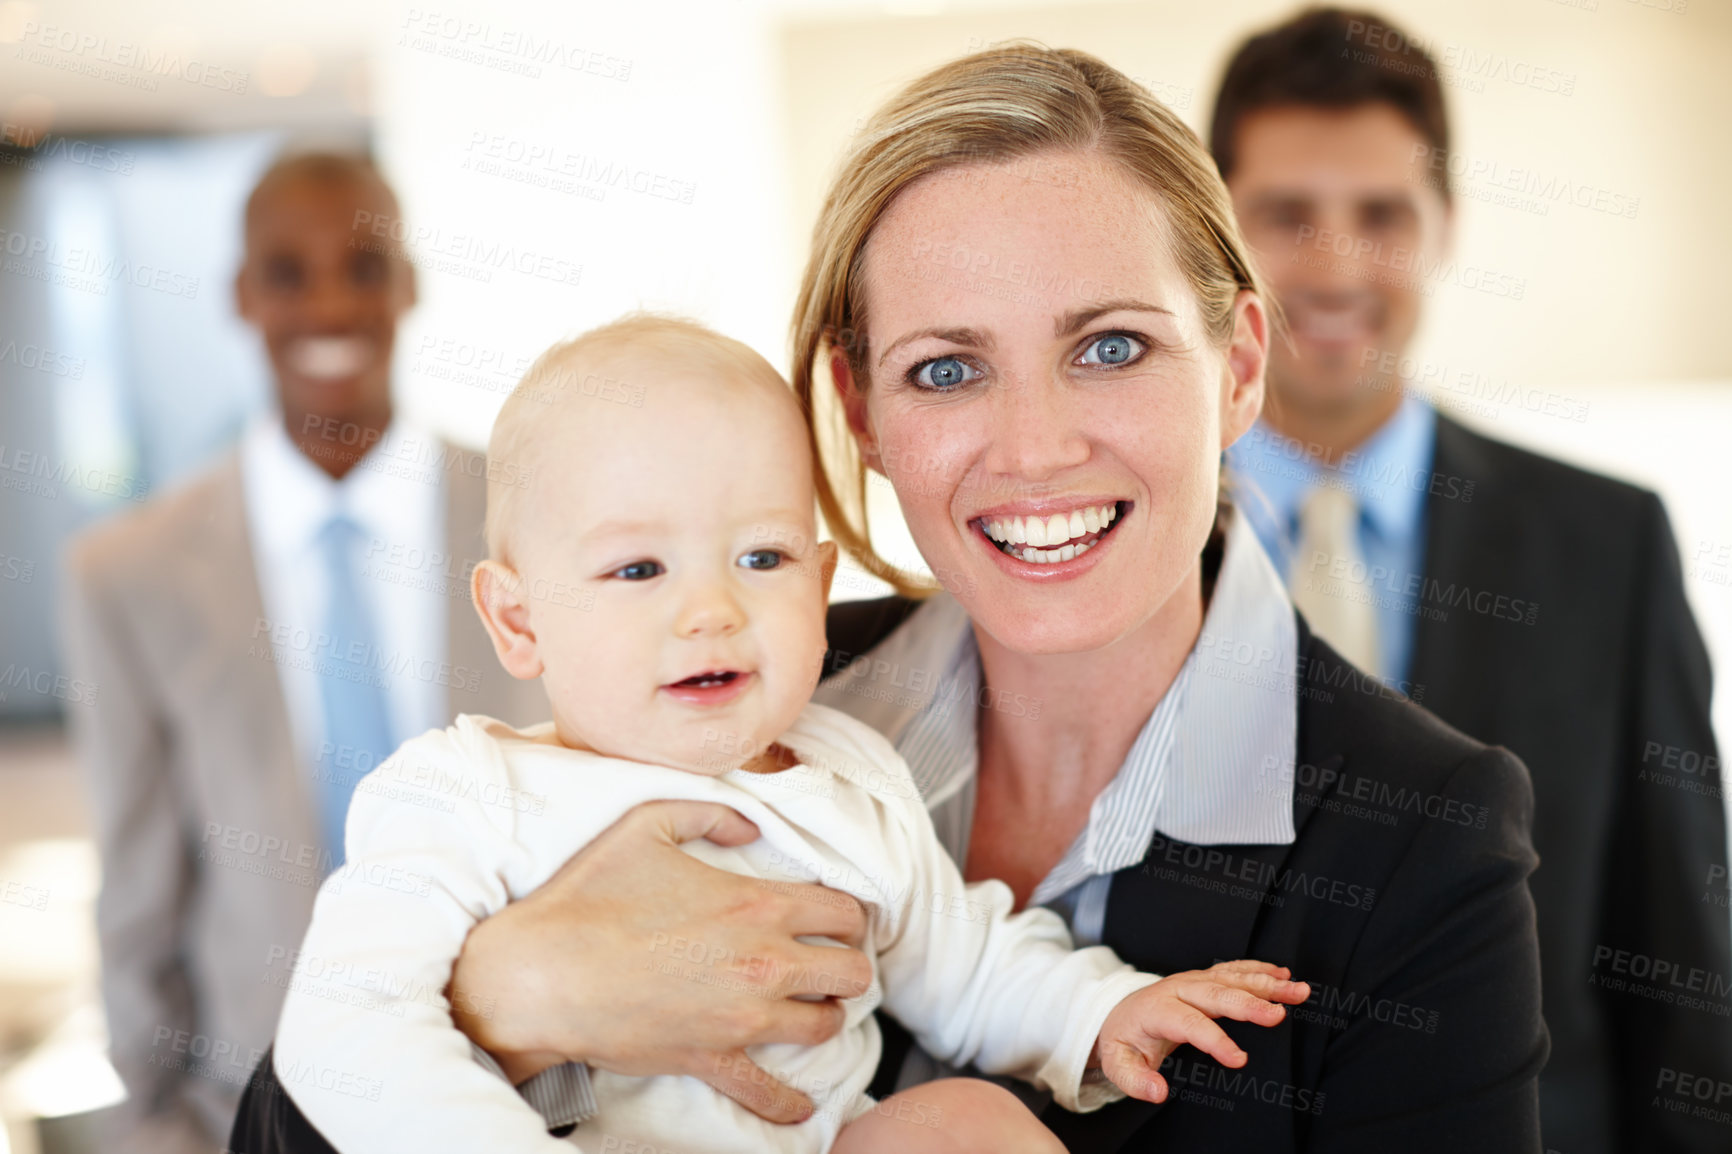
point(1156, 1020)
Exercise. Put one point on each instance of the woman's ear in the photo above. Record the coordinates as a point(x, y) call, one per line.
point(497, 591)
point(854, 408)
point(1247, 361)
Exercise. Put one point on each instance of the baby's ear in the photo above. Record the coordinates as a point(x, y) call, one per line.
point(497, 592)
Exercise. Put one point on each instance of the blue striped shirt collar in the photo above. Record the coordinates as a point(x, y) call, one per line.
point(1197, 771)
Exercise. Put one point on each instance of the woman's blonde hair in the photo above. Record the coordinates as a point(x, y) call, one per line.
point(1010, 101)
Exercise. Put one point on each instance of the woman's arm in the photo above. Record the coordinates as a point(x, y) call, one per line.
point(561, 975)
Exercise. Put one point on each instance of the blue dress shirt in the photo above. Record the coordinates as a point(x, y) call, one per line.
point(1389, 477)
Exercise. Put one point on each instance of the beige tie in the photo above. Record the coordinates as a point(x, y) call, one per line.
point(1328, 577)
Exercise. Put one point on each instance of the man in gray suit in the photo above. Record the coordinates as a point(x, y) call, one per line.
point(263, 636)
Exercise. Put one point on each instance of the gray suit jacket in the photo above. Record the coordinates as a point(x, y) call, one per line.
point(206, 824)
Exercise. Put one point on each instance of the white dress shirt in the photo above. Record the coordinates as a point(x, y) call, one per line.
point(400, 508)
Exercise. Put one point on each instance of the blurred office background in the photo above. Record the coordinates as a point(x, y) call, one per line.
point(675, 153)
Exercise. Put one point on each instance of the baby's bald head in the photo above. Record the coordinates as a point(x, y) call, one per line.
point(628, 393)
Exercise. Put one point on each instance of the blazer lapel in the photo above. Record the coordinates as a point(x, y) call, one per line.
point(1473, 549)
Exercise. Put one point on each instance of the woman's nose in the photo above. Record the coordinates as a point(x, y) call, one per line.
point(709, 610)
point(1035, 429)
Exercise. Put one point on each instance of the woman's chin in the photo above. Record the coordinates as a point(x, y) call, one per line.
point(1048, 621)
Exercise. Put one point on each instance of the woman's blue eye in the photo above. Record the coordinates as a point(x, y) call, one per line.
point(945, 373)
point(639, 571)
point(761, 559)
point(1112, 349)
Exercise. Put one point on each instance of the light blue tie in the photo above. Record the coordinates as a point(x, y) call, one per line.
point(352, 685)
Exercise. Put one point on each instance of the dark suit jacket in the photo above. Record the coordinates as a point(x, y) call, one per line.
point(1404, 899)
point(1604, 695)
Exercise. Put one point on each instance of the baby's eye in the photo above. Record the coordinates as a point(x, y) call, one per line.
point(1112, 349)
point(639, 571)
point(944, 373)
point(762, 559)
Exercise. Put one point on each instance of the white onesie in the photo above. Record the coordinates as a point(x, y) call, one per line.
point(459, 822)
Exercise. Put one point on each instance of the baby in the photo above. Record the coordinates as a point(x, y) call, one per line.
point(654, 561)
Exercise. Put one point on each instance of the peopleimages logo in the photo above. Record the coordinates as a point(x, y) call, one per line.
point(91, 271)
point(103, 58)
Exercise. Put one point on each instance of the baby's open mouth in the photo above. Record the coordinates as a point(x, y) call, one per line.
point(707, 680)
point(711, 687)
point(1060, 537)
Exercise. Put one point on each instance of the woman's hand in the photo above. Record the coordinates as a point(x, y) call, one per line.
point(638, 958)
point(1156, 1020)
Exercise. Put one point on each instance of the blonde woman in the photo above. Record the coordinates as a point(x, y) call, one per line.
point(1029, 309)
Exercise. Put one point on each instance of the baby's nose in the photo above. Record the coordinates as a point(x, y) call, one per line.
point(710, 611)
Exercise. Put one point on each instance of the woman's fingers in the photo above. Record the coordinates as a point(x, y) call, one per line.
point(818, 911)
point(792, 1020)
point(682, 821)
point(824, 971)
point(749, 1084)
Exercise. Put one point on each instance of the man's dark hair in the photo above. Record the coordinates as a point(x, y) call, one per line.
point(1331, 58)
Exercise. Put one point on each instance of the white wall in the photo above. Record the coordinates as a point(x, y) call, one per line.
point(675, 100)
point(1606, 298)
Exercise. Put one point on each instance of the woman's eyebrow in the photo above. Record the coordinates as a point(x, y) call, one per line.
point(1068, 324)
point(973, 338)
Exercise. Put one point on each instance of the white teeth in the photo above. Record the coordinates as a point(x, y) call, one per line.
point(1059, 537)
point(1051, 556)
point(329, 358)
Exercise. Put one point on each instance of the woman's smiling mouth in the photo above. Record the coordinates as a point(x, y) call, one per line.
point(1049, 540)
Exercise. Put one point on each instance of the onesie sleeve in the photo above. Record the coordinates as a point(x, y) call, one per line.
point(976, 983)
point(366, 1041)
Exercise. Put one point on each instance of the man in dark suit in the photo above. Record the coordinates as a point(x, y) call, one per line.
point(1529, 603)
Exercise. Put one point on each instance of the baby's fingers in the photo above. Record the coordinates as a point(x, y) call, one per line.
point(1249, 966)
point(1136, 1073)
point(1221, 1001)
point(1197, 1028)
point(1269, 988)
